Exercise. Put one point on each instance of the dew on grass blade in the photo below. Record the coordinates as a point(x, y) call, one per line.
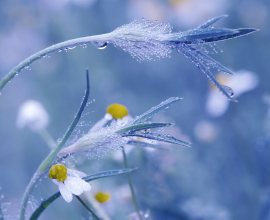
point(100, 45)
point(228, 90)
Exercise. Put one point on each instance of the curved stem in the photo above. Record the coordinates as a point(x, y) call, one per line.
point(44, 166)
point(27, 193)
point(48, 50)
point(91, 211)
point(131, 185)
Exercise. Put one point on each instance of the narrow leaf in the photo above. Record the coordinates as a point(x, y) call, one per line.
point(153, 111)
point(209, 61)
point(144, 126)
point(212, 21)
point(160, 137)
point(144, 144)
point(190, 55)
point(107, 174)
point(48, 161)
point(206, 35)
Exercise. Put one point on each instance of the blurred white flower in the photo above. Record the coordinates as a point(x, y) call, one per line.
point(69, 181)
point(243, 81)
point(33, 115)
point(205, 131)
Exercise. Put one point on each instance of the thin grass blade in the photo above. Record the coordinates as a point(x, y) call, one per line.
point(209, 61)
point(207, 35)
point(212, 21)
point(160, 137)
point(144, 144)
point(190, 55)
point(144, 126)
point(153, 111)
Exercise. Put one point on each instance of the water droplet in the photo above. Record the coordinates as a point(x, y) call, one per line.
point(100, 45)
point(228, 90)
point(72, 47)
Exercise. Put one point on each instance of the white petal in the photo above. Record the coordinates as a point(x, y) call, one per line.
point(216, 104)
point(67, 195)
point(77, 185)
point(76, 173)
point(101, 123)
point(55, 181)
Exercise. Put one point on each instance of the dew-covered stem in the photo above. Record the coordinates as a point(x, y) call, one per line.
point(131, 185)
point(91, 211)
point(44, 166)
point(27, 193)
point(57, 47)
point(48, 161)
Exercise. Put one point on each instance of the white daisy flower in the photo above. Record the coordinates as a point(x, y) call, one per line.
point(69, 181)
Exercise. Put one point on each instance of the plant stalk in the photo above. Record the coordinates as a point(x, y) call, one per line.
point(91, 211)
point(60, 46)
point(131, 185)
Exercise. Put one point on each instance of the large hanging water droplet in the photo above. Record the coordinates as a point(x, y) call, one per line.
point(228, 90)
point(100, 45)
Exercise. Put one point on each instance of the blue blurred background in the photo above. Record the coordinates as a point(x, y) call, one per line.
point(226, 173)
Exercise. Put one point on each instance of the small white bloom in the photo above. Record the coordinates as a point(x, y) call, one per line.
point(114, 111)
point(243, 81)
point(69, 181)
point(33, 115)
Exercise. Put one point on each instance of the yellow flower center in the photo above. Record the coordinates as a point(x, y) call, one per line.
point(58, 172)
point(117, 111)
point(102, 197)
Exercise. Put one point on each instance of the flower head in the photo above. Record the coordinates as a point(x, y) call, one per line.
point(33, 115)
point(102, 197)
point(114, 111)
point(69, 181)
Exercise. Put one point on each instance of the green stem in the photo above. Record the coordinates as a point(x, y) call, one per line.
point(27, 193)
point(44, 166)
point(91, 211)
point(131, 185)
point(47, 138)
point(48, 50)
point(96, 206)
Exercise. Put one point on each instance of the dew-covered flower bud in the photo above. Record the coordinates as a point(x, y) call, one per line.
point(33, 115)
point(114, 111)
